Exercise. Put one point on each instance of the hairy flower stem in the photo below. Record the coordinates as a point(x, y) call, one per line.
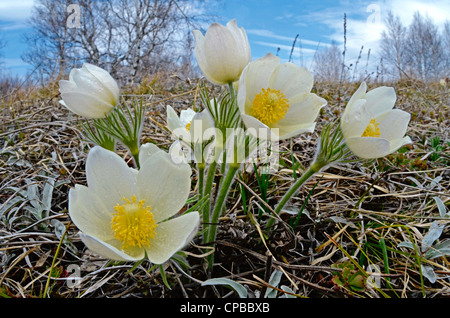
point(134, 150)
point(313, 169)
point(330, 149)
point(207, 190)
point(219, 204)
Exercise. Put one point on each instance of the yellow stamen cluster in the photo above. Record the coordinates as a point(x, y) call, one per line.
point(133, 223)
point(269, 106)
point(188, 127)
point(372, 129)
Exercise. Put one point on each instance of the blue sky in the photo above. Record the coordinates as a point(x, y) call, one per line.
point(269, 25)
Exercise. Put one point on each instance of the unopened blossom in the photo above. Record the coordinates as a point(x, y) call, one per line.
point(370, 126)
point(223, 52)
point(90, 92)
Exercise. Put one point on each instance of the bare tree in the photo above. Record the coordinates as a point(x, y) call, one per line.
point(129, 38)
point(49, 42)
point(446, 44)
point(393, 44)
point(424, 49)
point(2, 45)
point(416, 51)
point(328, 63)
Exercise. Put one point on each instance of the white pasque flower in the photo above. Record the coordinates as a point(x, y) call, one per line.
point(369, 124)
point(278, 97)
point(194, 129)
point(191, 127)
point(125, 214)
point(90, 92)
point(223, 52)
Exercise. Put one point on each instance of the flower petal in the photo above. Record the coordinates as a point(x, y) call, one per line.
point(368, 147)
point(106, 80)
point(303, 109)
point(380, 100)
point(294, 130)
point(85, 105)
point(200, 56)
point(355, 119)
point(258, 129)
point(89, 213)
point(397, 143)
point(164, 185)
point(258, 77)
point(109, 177)
point(67, 86)
point(89, 84)
point(186, 116)
point(291, 80)
point(241, 43)
point(393, 125)
point(221, 54)
point(109, 251)
point(360, 93)
point(171, 236)
point(147, 150)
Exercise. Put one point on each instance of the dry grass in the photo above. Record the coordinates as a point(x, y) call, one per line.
point(360, 211)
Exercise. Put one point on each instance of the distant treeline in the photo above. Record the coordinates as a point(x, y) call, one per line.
point(419, 51)
point(129, 38)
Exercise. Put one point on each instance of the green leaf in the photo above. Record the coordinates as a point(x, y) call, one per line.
point(432, 235)
point(441, 207)
point(438, 250)
point(240, 289)
point(274, 280)
point(406, 244)
point(429, 273)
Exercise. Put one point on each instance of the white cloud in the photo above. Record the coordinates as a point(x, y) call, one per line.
point(14, 10)
point(272, 35)
point(285, 47)
point(365, 22)
point(437, 10)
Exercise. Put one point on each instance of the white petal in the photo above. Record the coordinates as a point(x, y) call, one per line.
point(360, 93)
point(397, 143)
point(368, 147)
point(89, 84)
point(164, 185)
point(109, 177)
point(241, 97)
point(294, 130)
point(258, 129)
point(105, 79)
point(173, 121)
point(171, 236)
point(186, 116)
point(146, 151)
point(355, 119)
point(89, 213)
point(258, 76)
point(106, 250)
point(380, 100)
point(303, 109)
point(67, 86)
point(200, 56)
point(393, 125)
point(291, 80)
point(85, 105)
point(241, 43)
point(202, 127)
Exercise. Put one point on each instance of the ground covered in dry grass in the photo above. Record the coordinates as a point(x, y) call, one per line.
point(346, 222)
